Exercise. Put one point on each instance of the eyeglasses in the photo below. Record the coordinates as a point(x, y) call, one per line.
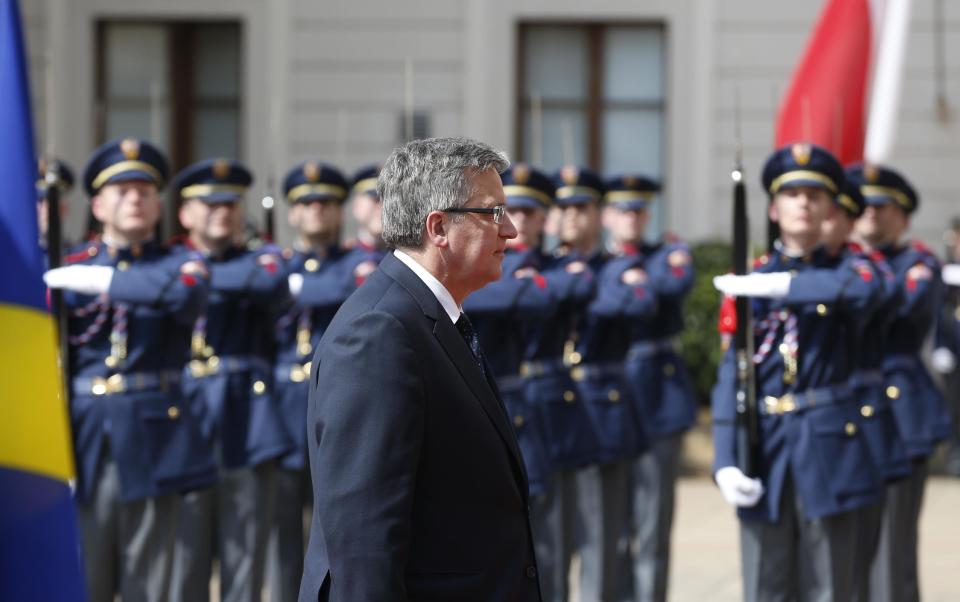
point(498, 212)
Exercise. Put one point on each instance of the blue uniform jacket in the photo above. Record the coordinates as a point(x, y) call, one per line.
point(657, 375)
point(229, 381)
point(127, 349)
point(327, 283)
point(602, 337)
point(867, 382)
point(502, 313)
point(549, 387)
point(819, 447)
point(919, 408)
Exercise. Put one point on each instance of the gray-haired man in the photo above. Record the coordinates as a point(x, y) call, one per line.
point(420, 491)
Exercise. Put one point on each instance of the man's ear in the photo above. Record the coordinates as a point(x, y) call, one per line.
point(186, 219)
point(772, 211)
point(436, 229)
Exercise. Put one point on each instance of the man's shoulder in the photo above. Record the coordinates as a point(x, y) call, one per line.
point(379, 294)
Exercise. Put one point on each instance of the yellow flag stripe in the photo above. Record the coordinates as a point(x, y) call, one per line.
point(35, 430)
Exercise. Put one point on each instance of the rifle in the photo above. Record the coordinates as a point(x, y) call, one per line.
point(747, 427)
point(54, 253)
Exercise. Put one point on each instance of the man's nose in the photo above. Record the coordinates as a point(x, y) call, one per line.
point(507, 229)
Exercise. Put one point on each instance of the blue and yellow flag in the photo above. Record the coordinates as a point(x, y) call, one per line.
point(39, 547)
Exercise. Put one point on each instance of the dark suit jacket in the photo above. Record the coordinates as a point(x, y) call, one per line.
point(419, 487)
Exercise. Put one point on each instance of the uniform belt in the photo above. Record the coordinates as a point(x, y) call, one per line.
point(645, 349)
point(227, 364)
point(798, 402)
point(866, 378)
point(510, 383)
point(596, 370)
point(124, 383)
point(540, 367)
point(900, 361)
point(293, 373)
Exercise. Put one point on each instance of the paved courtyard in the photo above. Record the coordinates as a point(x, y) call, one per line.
point(706, 554)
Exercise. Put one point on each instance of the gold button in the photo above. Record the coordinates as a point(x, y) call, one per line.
point(123, 265)
point(207, 351)
point(569, 396)
point(518, 421)
point(311, 265)
point(110, 361)
point(784, 348)
point(866, 411)
point(296, 374)
point(821, 309)
point(893, 392)
point(669, 369)
point(575, 357)
point(173, 412)
point(850, 429)
point(259, 387)
point(305, 349)
point(613, 395)
point(577, 373)
point(213, 362)
point(99, 388)
point(306, 368)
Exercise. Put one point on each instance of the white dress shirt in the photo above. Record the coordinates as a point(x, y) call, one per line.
point(436, 287)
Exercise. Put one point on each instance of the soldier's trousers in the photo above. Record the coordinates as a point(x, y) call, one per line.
point(798, 559)
point(653, 483)
point(869, 522)
point(552, 521)
point(127, 546)
point(894, 575)
point(231, 521)
point(286, 549)
point(602, 516)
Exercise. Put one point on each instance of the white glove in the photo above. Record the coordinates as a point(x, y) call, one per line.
point(296, 284)
point(951, 274)
point(737, 488)
point(774, 286)
point(84, 279)
point(943, 360)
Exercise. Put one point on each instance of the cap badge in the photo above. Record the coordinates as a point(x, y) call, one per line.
point(569, 174)
point(629, 182)
point(221, 169)
point(870, 173)
point(130, 148)
point(801, 153)
point(311, 171)
point(521, 173)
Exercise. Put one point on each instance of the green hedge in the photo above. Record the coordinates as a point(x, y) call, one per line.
point(701, 341)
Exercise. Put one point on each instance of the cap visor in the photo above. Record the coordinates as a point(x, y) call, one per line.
point(524, 201)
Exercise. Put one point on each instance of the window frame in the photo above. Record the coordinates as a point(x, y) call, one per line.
point(595, 106)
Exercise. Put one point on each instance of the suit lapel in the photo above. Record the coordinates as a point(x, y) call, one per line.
point(463, 359)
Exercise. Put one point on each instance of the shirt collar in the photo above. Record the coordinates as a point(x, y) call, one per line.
point(436, 287)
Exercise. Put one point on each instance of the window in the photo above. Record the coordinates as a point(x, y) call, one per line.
point(174, 83)
point(593, 94)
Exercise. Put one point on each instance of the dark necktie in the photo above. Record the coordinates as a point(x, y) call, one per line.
point(471, 339)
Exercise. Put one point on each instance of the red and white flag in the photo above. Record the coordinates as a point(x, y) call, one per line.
point(829, 98)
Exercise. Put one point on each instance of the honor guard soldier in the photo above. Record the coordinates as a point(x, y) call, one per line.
point(131, 305)
point(946, 345)
point(319, 281)
point(652, 281)
point(229, 384)
point(504, 314)
point(878, 427)
point(799, 516)
point(61, 176)
point(596, 346)
point(918, 407)
point(367, 249)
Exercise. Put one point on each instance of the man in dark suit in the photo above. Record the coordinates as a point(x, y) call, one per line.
point(420, 491)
